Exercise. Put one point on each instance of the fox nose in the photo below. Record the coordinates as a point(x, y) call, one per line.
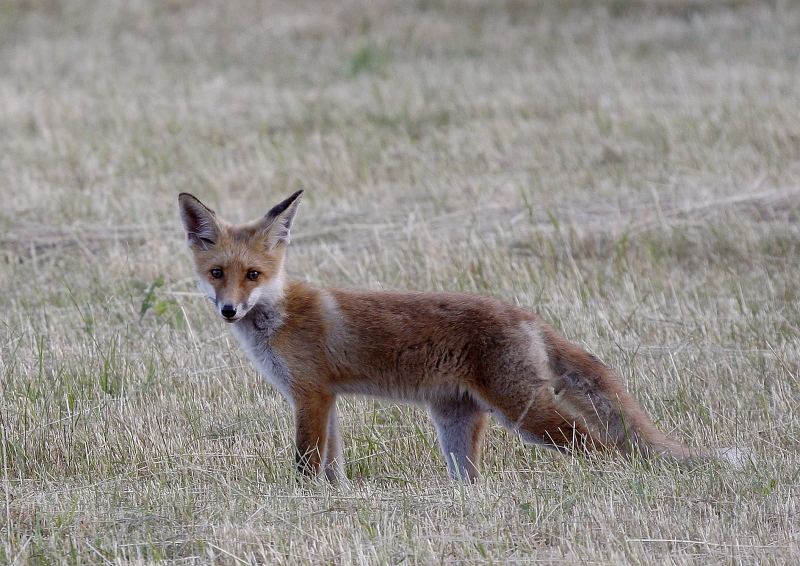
point(228, 311)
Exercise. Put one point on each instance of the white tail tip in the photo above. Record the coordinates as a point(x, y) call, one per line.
point(736, 456)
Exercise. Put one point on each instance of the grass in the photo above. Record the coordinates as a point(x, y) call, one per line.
point(629, 170)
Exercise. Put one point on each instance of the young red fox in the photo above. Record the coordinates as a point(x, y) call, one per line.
point(464, 356)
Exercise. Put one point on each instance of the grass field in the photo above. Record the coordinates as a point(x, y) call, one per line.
point(628, 169)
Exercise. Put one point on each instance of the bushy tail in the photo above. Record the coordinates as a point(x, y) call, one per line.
point(590, 396)
point(611, 418)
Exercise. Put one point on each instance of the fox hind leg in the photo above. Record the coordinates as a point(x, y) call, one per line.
point(528, 409)
point(581, 398)
point(460, 425)
point(611, 416)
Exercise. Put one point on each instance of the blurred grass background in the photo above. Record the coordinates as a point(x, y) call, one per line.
point(628, 169)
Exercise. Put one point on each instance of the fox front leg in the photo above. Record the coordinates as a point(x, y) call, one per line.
point(333, 457)
point(312, 417)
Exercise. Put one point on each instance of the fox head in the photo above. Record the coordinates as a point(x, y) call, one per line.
point(241, 265)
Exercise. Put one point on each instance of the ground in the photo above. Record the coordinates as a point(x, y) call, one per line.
point(630, 170)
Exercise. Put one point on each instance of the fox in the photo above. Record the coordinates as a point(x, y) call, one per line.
point(464, 356)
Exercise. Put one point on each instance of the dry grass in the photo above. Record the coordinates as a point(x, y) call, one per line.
point(629, 169)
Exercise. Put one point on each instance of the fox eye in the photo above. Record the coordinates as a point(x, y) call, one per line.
point(216, 273)
point(252, 275)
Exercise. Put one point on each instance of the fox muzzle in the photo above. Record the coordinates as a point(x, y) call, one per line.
point(228, 312)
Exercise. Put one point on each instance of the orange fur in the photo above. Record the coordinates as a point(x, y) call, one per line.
point(464, 356)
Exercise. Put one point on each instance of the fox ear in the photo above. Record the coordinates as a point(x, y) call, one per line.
point(199, 221)
point(278, 221)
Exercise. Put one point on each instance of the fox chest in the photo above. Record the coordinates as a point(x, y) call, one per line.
point(268, 362)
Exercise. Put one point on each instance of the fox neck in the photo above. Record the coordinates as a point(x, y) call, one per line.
point(268, 310)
